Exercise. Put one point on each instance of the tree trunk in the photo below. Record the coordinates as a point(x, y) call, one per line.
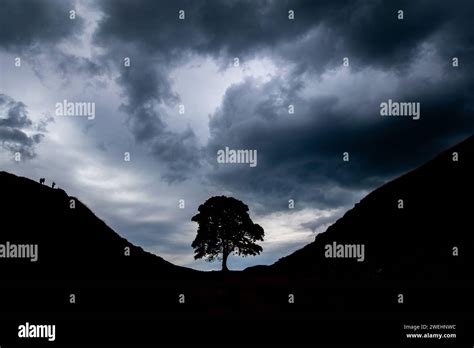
point(225, 255)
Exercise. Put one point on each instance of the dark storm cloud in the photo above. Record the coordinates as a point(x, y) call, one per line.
point(300, 156)
point(33, 30)
point(16, 116)
point(368, 32)
point(147, 88)
point(210, 27)
point(27, 23)
point(151, 34)
point(13, 123)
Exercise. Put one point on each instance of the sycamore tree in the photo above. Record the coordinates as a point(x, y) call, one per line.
point(224, 227)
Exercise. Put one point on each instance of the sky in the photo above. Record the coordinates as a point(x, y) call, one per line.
point(160, 120)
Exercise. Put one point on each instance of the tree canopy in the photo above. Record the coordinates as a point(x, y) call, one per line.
point(224, 227)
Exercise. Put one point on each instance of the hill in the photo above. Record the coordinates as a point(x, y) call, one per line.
point(417, 227)
point(72, 243)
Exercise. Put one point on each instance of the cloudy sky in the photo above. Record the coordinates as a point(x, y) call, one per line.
point(335, 63)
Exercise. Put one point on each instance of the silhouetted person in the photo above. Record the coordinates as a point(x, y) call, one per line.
point(54, 184)
point(42, 181)
point(225, 226)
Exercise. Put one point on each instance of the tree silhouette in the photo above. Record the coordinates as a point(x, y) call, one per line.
point(225, 226)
